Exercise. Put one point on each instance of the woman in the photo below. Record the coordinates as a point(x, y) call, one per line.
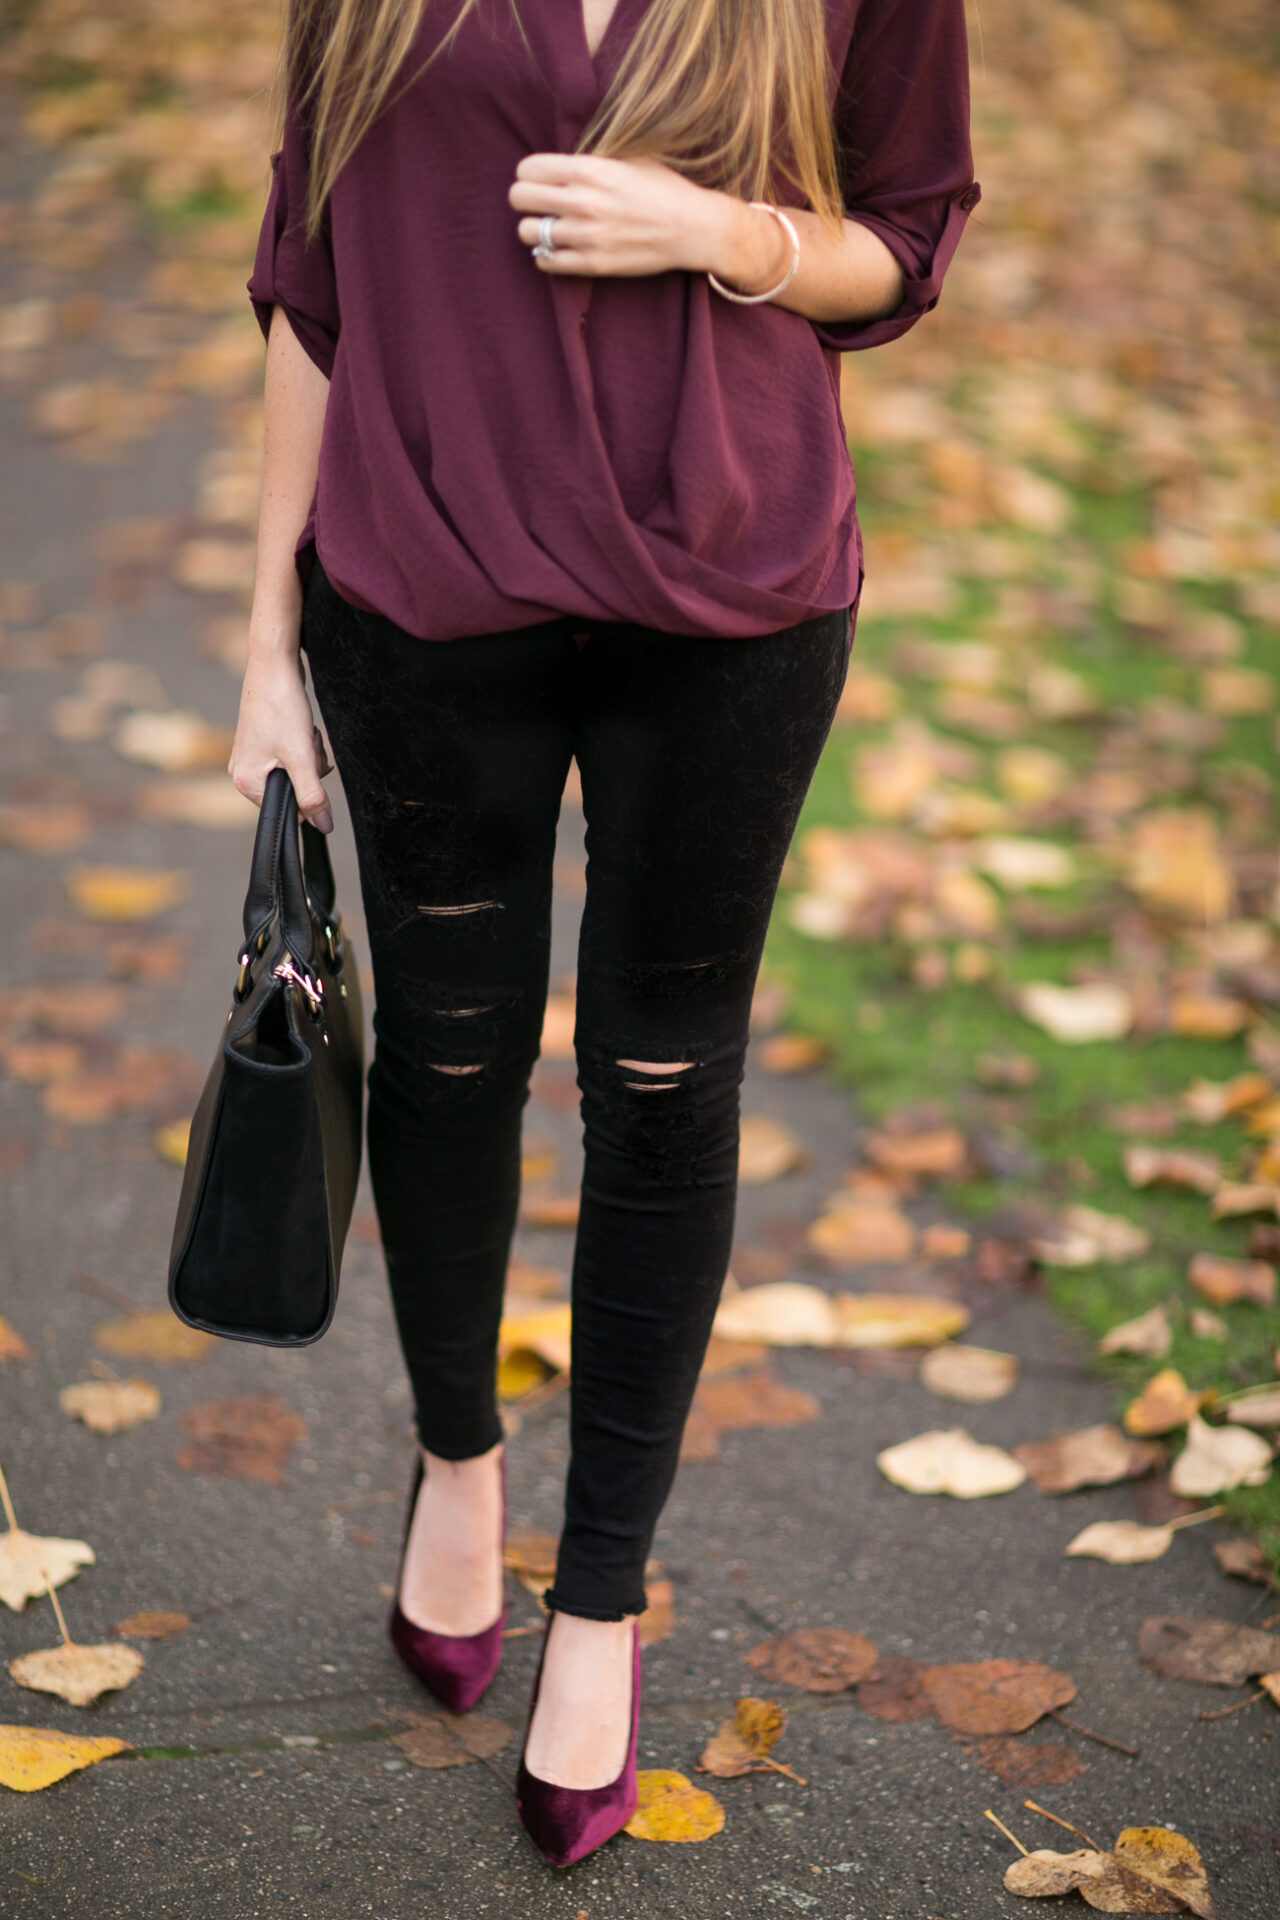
point(554, 467)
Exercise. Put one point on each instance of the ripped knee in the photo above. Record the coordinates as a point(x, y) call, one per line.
point(656, 1082)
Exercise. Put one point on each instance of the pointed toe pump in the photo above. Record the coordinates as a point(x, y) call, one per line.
point(456, 1668)
point(567, 1823)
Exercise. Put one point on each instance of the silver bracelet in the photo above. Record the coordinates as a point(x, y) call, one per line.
point(788, 226)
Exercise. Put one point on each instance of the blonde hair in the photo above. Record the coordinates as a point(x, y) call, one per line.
point(731, 93)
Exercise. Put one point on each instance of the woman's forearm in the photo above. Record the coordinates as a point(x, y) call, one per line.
point(295, 396)
point(846, 276)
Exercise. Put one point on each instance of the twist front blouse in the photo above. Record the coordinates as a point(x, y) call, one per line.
point(502, 446)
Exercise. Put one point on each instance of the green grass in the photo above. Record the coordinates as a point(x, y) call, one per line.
point(896, 1044)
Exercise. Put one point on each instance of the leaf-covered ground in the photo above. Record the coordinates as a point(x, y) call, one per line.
point(1057, 758)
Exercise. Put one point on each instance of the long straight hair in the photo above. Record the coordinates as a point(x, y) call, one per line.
point(731, 93)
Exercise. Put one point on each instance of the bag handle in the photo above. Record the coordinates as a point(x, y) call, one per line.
point(279, 880)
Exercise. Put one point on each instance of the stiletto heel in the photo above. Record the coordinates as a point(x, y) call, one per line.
point(567, 1823)
point(456, 1667)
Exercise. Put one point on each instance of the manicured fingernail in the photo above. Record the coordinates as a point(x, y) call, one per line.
point(325, 821)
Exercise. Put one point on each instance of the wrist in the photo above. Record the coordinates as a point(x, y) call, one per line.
point(752, 251)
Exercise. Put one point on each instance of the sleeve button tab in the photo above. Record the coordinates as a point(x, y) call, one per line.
point(969, 198)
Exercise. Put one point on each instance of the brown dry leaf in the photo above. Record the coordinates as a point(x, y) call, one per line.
point(1211, 1101)
point(938, 1153)
point(40, 1062)
point(818, 1659)
point(111, 1406)
point(658, 1621)
point(557, 1027)
point(1165, 1402)
point(671, 1808)
point(45, 827)
point(531, 1555)
point(201, 800)
point(74, 1007)
point(1124, 1543)
point(1196, 1647)
point(157, 1336)
point(732, 1402)
point(1099, 1010)
point(248, 1438)
point(1083, 1236)
point(176, 741)
point(1176, 864)
point(951, 1461)
point(550, 1209)
point(731, 1356)
point(529, 1282)
point(1257, 1408)
point(859, 1232)
point(1207, 1016)
point(12, 1344)
point(1215, 1459)
point(792, 1052)
point(1206, 1325)
point(1012, 1070)
point(31, 1563)
point(767, 1150)
point(1237, 690)
point(79, 1675)
point(1089, 1457)
point(1147, 1166)
point(1044, 1873)
point(784, 1313)
point(126, 893)
point(32, 1758)
point(157, 1624)
point(1168, 1861)
point(1017, 862)
point(896, 1320)
point(1244, 1560)
point(743, 1742)
point(941, 1241)
point(1149, 1336)
point(995, 1696)
point(1023, 1763)
point(892, 1691)
point(444, 1739)
point(1221, 1281)
point(972, 1374)
point(136, 1076)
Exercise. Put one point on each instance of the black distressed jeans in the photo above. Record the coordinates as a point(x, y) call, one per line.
point(695, 754)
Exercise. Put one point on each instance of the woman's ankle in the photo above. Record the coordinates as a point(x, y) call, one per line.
point(580, 1729)
point(451, 1579)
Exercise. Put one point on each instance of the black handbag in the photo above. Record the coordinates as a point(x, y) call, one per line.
point(275, 1145)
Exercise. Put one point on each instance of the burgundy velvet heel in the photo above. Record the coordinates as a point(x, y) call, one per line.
point(567, 1823)
point(456, 1667)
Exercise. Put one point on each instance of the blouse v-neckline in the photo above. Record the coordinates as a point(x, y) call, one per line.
point(580, 5)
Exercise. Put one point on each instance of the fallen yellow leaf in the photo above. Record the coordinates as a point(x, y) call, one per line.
point(671, 1808)
point(153, 1336)
point(32, 1758)
point(1164, 1403)
point(896, 1320)
point(126, 893)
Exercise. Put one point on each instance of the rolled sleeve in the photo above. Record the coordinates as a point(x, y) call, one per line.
point(288, 270)
point(902, 124)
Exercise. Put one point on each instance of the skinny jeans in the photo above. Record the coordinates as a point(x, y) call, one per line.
point(695, 754)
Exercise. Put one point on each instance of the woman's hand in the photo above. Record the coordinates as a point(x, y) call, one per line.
point(276, 729)
point(635, 217)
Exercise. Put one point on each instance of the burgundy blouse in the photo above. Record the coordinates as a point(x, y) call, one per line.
point(502, 446)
